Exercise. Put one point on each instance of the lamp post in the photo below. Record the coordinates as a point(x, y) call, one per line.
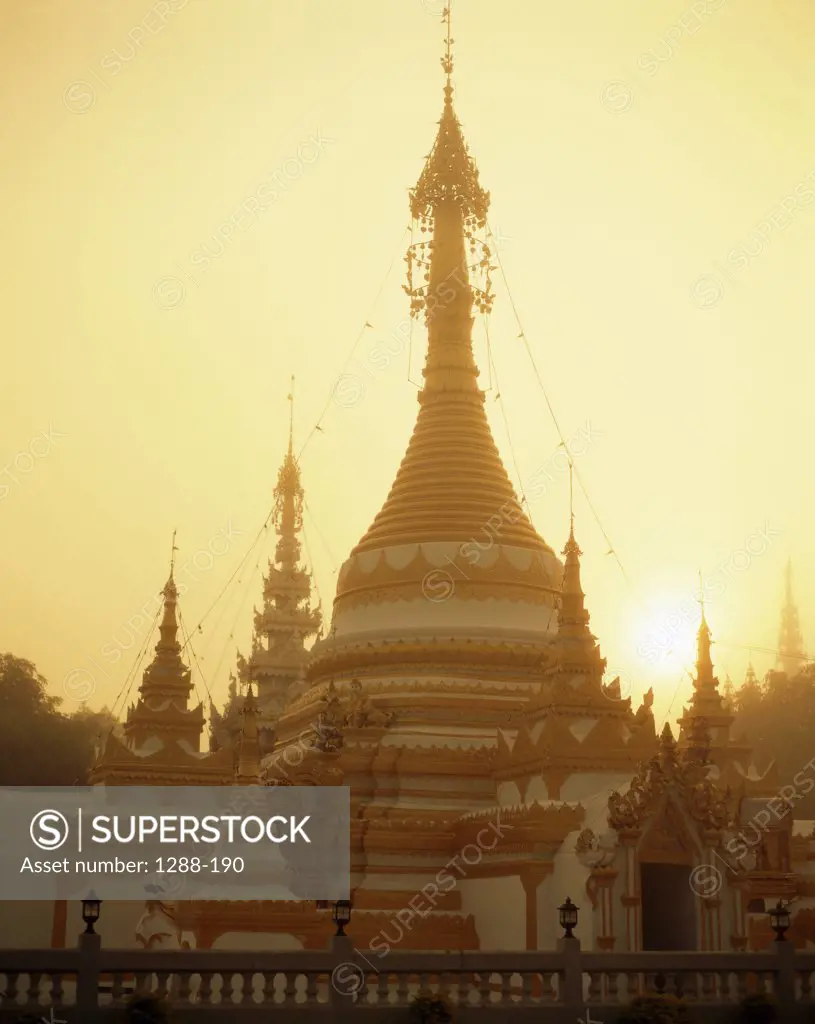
point(341, 916)
point(780, 921)
point(91, 908)
point(568, 917)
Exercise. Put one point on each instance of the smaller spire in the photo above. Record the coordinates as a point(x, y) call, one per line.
point(248, 772)
point(572, 598)
point(667, 741)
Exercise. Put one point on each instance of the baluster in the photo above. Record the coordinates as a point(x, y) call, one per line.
point(527, 979)
point(268, 996)
point(12, 986)
point(483, 989)
point(593, 990)
point(183, 988)
point(205, 989)
point(312, 980)
point(32, 995)
point(806, 985)
point(541, 987)
point(247, 987)
point(463, 988)
point(163, 990)
point(382, 989)
point(55, 993)
point(116, 988)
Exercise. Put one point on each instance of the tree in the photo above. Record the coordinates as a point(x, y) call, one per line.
point(39, 745)
point(778, 718)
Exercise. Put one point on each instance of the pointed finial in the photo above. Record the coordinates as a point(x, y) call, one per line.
point(447, 59)
point(571, 495)
point(290, 397)
point(702, 598)
point(173, 550)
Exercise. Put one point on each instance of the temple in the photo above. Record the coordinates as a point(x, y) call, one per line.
point(463, 699)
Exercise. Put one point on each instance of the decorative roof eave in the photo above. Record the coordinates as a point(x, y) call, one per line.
point(529, 826)
point(440, 652)
point(165, 712)
point(116, 754)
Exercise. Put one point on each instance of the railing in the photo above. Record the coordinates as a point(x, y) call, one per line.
point(91, 985)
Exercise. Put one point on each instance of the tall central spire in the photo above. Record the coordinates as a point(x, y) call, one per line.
point(449, 204)
point(451, 481)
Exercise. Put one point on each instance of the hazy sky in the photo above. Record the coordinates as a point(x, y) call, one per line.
point(203, 199)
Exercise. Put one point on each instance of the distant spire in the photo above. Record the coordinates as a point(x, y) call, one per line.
point(791, 652)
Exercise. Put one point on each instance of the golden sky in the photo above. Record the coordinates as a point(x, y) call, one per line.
point(652, 174)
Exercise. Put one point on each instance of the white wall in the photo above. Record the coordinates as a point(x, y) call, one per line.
point(499, 908)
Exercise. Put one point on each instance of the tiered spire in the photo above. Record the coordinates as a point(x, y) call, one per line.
point(162, 710)
point(286, 620)
point(705, 684)
point(451, 480)
point(575, 650)
point(574, 618)
point(750, 678)
point(706, 722)
point(248, 767)
point(791, 652)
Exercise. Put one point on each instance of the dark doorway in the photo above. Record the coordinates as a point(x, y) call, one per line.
point(668, 907)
